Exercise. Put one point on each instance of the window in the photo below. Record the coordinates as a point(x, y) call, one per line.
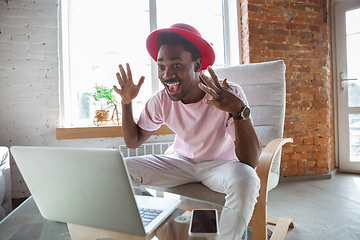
point(99, 35)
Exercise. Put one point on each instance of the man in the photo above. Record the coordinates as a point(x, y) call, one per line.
point(215, 141)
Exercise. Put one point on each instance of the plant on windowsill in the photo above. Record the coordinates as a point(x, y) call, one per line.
point(102, 116)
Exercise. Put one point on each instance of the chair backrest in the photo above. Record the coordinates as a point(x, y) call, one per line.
point(265, 88)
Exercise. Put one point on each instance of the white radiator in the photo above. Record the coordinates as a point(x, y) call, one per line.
point(145, 149)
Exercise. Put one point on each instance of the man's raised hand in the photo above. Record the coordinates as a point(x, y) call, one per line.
point(128, 90)
point(222, 96)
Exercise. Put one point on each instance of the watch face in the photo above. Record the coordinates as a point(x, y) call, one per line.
point(246, 112)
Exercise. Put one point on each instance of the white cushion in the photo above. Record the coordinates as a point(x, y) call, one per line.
point(264, 86)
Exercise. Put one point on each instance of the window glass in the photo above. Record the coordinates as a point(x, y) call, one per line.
point(107, 33)
point(353, 52)
point(205, 15)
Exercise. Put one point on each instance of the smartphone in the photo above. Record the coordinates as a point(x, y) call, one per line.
point(204, 223)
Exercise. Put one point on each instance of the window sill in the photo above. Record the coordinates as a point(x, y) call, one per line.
point(63, 133)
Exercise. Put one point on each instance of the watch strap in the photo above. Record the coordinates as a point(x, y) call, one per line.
point(239, 116)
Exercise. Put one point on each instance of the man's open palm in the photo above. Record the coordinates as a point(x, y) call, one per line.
point(128, 90)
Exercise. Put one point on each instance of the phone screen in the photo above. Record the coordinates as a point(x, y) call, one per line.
point(204, 221)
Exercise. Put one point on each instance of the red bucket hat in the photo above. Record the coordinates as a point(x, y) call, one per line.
point(190, 34)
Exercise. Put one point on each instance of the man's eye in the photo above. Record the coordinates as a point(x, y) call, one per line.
point(177, 65)
point(161, 68)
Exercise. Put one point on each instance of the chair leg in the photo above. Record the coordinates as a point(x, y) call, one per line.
point(281, 227)
point(258, 222)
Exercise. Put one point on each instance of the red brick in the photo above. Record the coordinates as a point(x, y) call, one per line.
point(301, 164)
point(308, 141)
point(320, 97)
point(302, 20)
point(276, 10)
point(304, 148)
point(266, 53)
point(280, 32)
point(257, 1)
point(310, 163)
point(254, 23)
point(253, 8)
point(311, 126)
point(304, 69)
point(276, 19)
point(255, 16)
point(265, 10)
point(317, 70)
point(295, 156)
point(255, 30)
point(302, 27)
point(319, 105)
point(305, 105)
point(321, 141)
point(280, 39)
point(276, 46)
point(314, 28)
point(291, 164)
point(301, 14)
point(292, 40)
point(322, 170)
point(297, 6)
point(313, 15)
point(287, 149)
point(320, 155)
point(279, 54)
point(291, 26)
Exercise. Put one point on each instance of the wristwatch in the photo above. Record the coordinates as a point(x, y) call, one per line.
point(243, 114)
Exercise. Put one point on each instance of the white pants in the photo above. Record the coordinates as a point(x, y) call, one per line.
point(238, 181)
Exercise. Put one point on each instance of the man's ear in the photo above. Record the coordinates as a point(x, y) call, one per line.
point(198, 65)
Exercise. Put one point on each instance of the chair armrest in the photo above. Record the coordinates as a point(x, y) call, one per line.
point(263, 170)
point(266, 160)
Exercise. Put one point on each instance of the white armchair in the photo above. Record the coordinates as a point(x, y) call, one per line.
point(265, 88)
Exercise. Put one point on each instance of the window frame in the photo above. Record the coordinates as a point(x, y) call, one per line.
point(232, 45)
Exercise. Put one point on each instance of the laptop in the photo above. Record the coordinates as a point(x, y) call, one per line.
point(89, 187)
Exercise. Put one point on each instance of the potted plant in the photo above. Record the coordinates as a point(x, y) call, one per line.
point(102, 93)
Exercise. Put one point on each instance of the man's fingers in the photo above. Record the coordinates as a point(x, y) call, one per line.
point(120, 80)
point(128, 69)
point(207, 89)
point(141, 81)
point(211, 102)
point(213, 76)
point(123, 73)
point(225, 84)
point(116, 89)
point(207, 80)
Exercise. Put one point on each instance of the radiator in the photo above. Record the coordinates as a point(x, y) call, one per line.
point(145, 149)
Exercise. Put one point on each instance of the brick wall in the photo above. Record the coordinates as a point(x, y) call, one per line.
point(295, 31)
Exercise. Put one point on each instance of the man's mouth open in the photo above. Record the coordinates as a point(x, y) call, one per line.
point(172, 87)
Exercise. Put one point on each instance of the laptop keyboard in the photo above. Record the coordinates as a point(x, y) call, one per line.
point(147, 215)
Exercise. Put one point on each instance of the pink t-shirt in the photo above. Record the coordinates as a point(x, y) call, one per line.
point(203, 132)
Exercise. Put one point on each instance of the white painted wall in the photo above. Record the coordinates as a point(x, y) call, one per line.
point(29, 77)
